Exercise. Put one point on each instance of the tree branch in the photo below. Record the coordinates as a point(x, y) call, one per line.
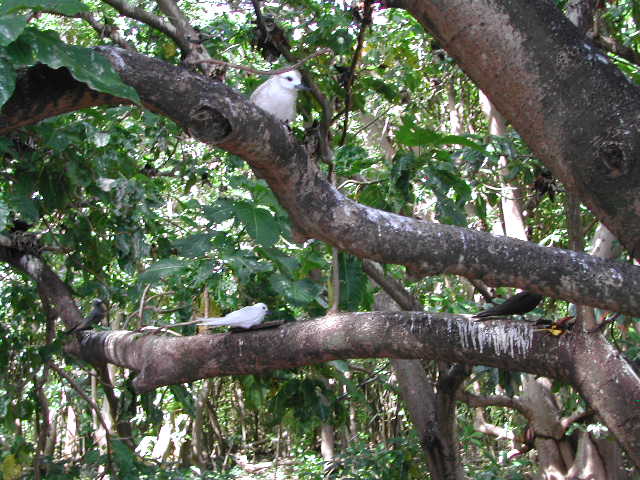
point(143, 16)
point(165, 360)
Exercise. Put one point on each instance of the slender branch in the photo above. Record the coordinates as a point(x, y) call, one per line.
point(392, 286)
point(81, 392)
point(612, 45)
point(143, 16)
point(566, 422)
point(494, 400)
point(278, 71)
point(106, 31)
point(355, 60)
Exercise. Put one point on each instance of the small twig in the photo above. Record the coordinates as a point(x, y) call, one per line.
point(84, 396)
point(357, 55)
point(142, 297)
point(322, 51)
point(566, 422)
point(358, 182)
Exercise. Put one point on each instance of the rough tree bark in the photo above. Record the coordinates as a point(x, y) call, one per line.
point(574, 109)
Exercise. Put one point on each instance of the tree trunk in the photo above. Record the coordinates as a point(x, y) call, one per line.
point(432, 413)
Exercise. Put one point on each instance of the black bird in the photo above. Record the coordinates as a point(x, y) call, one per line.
point(95, 316)
point(519, 304)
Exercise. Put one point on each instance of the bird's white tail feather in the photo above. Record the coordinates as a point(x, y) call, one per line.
point(212, 321)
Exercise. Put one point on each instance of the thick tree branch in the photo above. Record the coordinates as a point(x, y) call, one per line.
point(42, 92)
point(165, 360)
point(218, 115)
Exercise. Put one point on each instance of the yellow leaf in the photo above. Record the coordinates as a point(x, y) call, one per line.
point(11, 469)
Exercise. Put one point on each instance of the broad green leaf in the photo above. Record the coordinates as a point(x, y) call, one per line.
point(442, 180)
point(85, 65)
point(54, 188)
point(65, 7)
point(7, 81)
point(287, 264)
point(20, 53)
point(162, 269)
point(124, 458)
point(206, 273)
point(219, 211)
point(353, 283)
point(185, 398)
point(300, 292)
point(412, 135)
point(11, 26)
point(21, 201)
point(351, 159)
point(244, 266)
point(11, 469)
point(194, 246)
point(260, 224)
point(386, 89)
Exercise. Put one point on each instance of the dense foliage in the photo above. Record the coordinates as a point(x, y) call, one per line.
point(163, 228)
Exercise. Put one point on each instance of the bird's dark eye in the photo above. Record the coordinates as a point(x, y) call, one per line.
point(290, 79)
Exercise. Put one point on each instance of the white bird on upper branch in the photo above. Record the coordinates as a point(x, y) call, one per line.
point(278, 95)
point(246, 317)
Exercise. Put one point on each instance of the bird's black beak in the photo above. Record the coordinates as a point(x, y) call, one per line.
point(302, 86)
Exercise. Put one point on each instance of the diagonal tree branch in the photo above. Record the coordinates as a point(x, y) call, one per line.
point(143, 16)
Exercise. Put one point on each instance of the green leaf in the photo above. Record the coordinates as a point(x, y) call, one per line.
point(286, 263)
point(442, 180)
point(11, 26)
point(7, 81)
point(300, 292)
point(162, 269)
point(260, 223)
point(351, 159)
point(386, 89)
point(412, 135)
point(194, 246)
point(49, 350)
point(219, 211)
point(65, 7)
point(21, 199)
point(124, 458)
point(244, 265)
point(184, 398)
point(10, 468)
point(353, 283)
point(85, 65)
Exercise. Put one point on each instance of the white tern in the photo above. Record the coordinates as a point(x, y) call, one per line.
point(246, 317)
point(278, 95)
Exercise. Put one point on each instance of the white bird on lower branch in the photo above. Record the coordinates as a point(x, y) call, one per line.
point(278, 95)
point(246, 317)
